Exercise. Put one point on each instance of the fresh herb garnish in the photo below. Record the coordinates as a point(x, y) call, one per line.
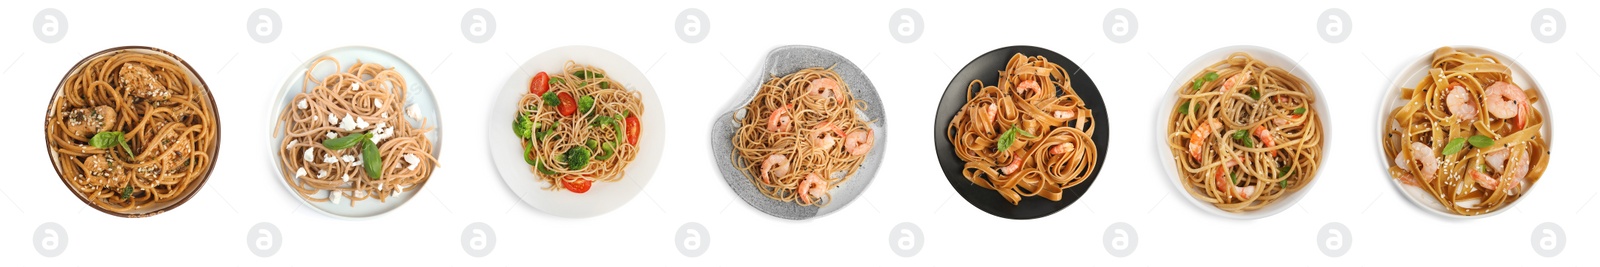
point(1454, 146)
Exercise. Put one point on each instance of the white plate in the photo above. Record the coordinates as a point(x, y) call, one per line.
point(506, 149)
point(1409, 77)
point(419, 95)
point(1272, 58)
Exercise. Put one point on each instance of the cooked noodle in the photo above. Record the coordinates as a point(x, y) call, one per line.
point(553, 140)
point(788, 142)
point(1027, 135)
point(161, 112)
point(364, 99)
point(1246, 136)
point(1468, 100)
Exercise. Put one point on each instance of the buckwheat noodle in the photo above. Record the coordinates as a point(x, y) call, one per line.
point(789, 139)
point(365, 98)
point(1028, 135)
point(1246, 135)
point(556, 135)
point(168, 123)
point(1467, 96)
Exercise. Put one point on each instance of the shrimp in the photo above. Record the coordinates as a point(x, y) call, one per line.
point(812, 186)
point(1505, 100)
point(1484, 180)
point(1461, 103)
point(1009, 169)
point(1228, 186)
point(1066, 114)
point(1266, 138)
point(1028, 85)
point(1426, 163)
point(775, 165)
point(779, 120)
point(992, 111)
point(1519, 168)
point(821, 137)
point(1062, 148)
point(825, 88)
point(1234, 80)
point(1198, 137)
point(858, 142)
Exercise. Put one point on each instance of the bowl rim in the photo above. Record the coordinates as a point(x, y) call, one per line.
point(1390, 97)
point(215, 113)
point(1163, 115)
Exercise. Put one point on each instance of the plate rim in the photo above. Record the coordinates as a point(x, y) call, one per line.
point(279, 104)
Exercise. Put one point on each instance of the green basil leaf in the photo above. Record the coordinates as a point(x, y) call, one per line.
point(1233, 178)
point(1283, 183)
point(1454, 146)
point(370, 158)
point(555, 80)
point(1283, 171)
point(1006, 138)
point(1300, 110)
point(104, 140)
point(1211, 76)
point(1480, 141)
point(1194, 86)
point(344, 142)
point(1247, 142)
point(1184, 109)
point(1255, 94)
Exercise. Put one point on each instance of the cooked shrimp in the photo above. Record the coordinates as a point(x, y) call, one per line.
point(775, 165)
point(1234, 80)
point(1460, 103)
point(858, 142)
point(1222, 181)
point(1262, 133)
point(779, 120)
point(822, 137)
point(1066, 114)
point(1519, 168)
point(1198, 137)
point(1062, 148)
point(1028, 85)
point(1407, 178)
point(825, 88)
point(812, 186)
point(1426, 163)
point(1009, 169)
point(1244, 192)
point(1505, 100)
point(1484, 180)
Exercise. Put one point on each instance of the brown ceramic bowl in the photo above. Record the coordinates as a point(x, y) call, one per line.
point(148, 209)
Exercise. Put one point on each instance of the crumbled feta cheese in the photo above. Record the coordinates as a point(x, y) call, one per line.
point(355, 86)
point(332, 120)
point(302, 104)
point(414, 112)
point(308, 156)
point(361, 194)
point(292, 142)
point(333, 196)
point(377, 102)
point(300, 173)
point(329, 159)
point(332, 135)
point(361, 123)
point(346, 178)
point(348, 158)
point(347, 123)
point(412, 160)
point(322, 173)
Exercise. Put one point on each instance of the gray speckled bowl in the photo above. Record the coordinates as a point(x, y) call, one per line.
point(781, 61)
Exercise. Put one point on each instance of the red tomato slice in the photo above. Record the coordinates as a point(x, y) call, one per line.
point(540, 84)
point(568, 105)
point(579, 186)
point(632, 123)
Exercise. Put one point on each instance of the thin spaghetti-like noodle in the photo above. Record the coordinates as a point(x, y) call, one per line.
point(1467, 134)
point(1245, 134)
point(365, 99)
point(788, 142)
point(604, 133)
point(132, 130)
point(1027, 135)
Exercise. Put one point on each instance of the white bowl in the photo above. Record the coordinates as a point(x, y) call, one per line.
point(1409, 77)
point(418, 94)
point(1272, 58)
point(602, 197)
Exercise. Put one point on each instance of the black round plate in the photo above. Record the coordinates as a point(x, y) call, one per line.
point(987, 69)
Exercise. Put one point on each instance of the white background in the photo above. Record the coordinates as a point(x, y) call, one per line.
point(693, 80)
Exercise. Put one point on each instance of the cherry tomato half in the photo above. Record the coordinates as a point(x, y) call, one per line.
point(568, 105)
point(540, 84)
point(579, 185)
point(632, 124)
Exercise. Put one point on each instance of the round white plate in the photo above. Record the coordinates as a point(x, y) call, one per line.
point(1272, 58)
point(419, 95)
point(1409, 77)
point(506, 149)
